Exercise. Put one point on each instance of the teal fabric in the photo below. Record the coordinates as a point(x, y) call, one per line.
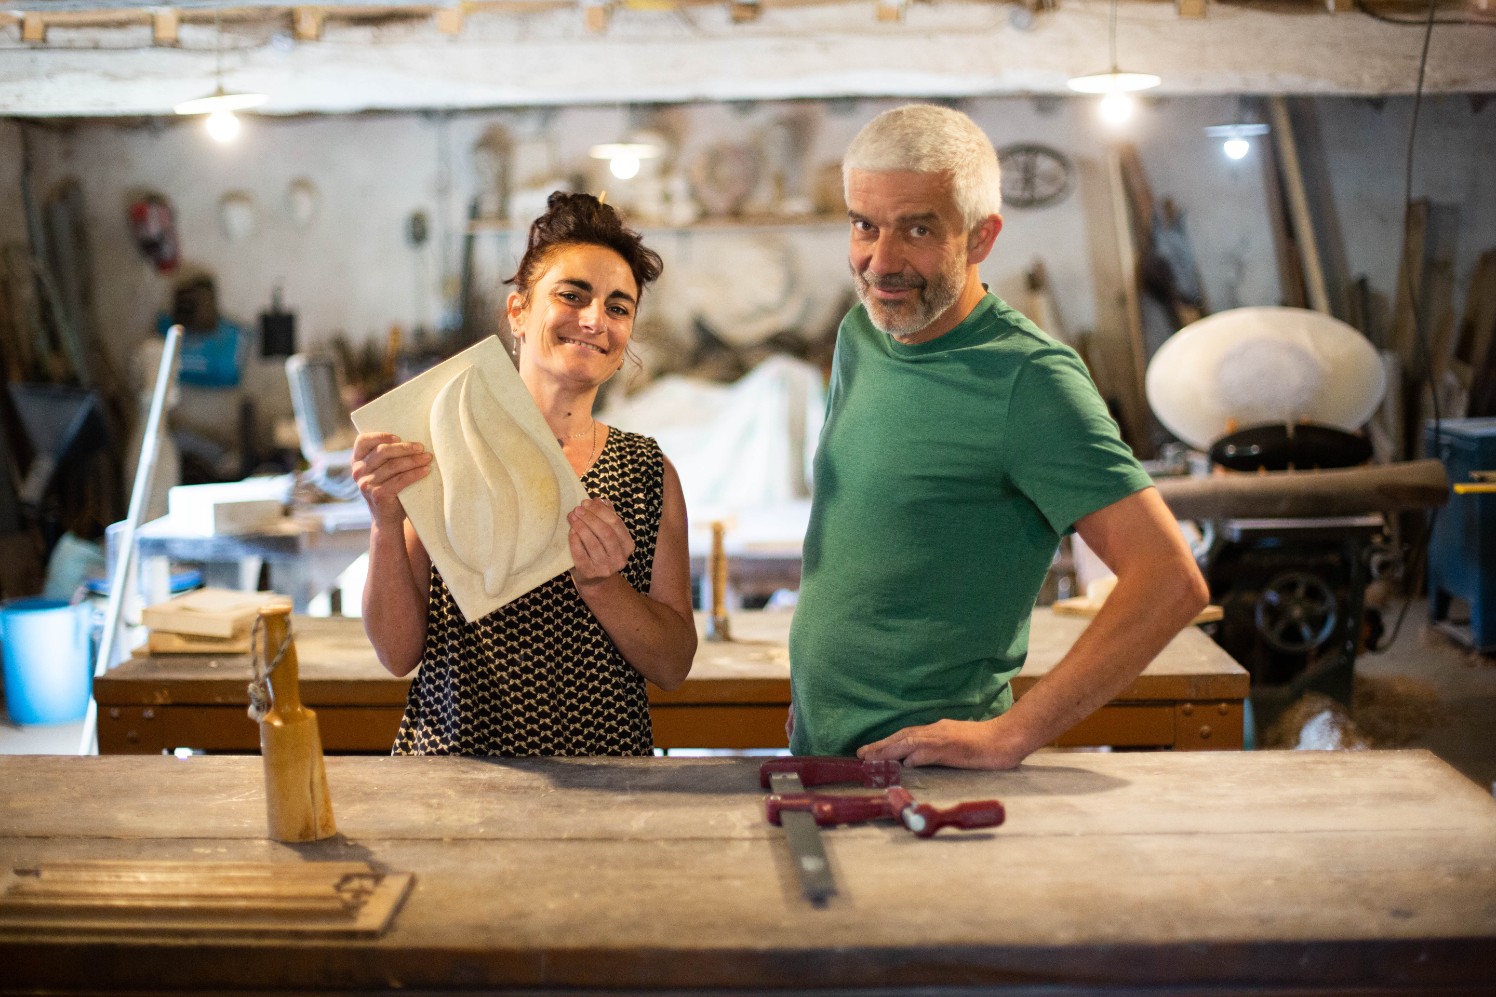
point(946, 474)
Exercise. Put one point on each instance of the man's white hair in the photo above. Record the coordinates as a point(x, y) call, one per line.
point(924, 138)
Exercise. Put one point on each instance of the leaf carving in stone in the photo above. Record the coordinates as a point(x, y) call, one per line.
point(478, 500)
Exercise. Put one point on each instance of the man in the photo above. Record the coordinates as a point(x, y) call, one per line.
point(960, 444)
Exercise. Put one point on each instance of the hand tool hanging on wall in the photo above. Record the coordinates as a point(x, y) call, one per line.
point(803, 813)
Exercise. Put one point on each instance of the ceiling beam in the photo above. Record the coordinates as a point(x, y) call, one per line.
point(164, 26)
point(241, 7)
point(941, 50)
point(306, 23)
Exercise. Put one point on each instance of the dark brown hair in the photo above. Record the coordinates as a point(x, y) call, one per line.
point(583, 220)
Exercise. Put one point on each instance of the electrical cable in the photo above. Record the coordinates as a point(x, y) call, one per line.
point(1420, 334)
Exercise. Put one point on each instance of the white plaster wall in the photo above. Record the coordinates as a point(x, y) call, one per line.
point(352, 270)
point(1454, 165)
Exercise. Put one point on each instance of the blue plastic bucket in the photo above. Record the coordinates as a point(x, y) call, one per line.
point(48, 664)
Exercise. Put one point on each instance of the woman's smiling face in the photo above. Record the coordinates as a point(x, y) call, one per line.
point(579, 316)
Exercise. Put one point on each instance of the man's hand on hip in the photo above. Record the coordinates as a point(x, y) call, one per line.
point(964, 744)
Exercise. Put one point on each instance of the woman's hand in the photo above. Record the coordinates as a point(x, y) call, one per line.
point(600, 543)
point(384, 465)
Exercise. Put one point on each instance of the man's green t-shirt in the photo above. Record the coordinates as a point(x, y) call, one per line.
point(946, 474)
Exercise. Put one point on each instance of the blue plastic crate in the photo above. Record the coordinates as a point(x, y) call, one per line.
point(1462, 550)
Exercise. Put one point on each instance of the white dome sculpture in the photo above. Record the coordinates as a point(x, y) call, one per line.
point(1255, 366)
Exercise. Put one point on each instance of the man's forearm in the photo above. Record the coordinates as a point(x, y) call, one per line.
point(1136, 622)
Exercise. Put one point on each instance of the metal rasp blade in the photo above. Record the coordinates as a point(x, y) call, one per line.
point(804, 839)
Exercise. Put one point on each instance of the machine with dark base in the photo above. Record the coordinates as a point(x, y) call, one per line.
point(1295, 517)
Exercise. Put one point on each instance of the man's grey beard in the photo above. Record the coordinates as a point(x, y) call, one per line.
point(901, 321)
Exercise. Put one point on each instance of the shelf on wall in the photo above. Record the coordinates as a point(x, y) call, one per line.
point(505, 226)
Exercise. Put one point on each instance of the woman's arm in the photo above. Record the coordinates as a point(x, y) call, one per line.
point(655, 633)
point(398, 585)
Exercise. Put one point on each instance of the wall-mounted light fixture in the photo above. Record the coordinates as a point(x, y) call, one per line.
point(1116, 86)
point(220, 105)
point(625, 158)
point(1235, 144)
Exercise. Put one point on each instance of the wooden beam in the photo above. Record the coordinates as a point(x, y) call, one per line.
point(596, 16)
point(141, 8)
point(1298, 204)
point(890, 11)
point(1348, 491)
point(1409, 290)
point(1130, 389)
point(1478, 328)
point(1290, 266)
point(307, 23)
point(744, 11)
point(33, 29)
point(1193, 9)
point(164, 25)
point(449, 20)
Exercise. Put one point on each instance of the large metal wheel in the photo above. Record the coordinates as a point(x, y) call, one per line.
point(1296, 612)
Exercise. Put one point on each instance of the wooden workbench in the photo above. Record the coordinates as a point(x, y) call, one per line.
point(1125, 873)
point(1190, 697)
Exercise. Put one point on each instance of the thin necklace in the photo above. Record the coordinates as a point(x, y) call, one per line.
point(577, 436)
point(593, 459)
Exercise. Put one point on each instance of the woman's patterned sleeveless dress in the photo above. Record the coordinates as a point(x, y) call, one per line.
point(540, 676)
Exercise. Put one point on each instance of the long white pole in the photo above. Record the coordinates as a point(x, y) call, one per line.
point(145, 470)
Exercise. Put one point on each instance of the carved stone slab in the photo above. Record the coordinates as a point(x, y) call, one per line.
point(492, 513)
point(301, 898)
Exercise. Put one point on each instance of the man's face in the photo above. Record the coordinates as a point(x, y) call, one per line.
point(908, 252)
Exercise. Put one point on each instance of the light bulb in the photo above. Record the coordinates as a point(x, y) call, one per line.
point(1116, 107)
point(223, 125)
point(1236, 148)
point(625, 166)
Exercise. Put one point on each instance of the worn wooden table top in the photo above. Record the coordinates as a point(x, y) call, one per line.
point(1301, 872)
point(338, 667)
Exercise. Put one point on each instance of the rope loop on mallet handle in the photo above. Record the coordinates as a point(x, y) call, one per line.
point(259, 687)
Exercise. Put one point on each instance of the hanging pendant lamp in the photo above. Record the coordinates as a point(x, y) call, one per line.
point(220, 105)
point(1115, 84)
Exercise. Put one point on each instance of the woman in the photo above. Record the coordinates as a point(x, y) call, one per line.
point(562, 669)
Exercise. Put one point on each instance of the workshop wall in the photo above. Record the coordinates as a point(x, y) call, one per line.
point(324, 209)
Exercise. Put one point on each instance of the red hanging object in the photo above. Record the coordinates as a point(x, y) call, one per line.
point(155, 232)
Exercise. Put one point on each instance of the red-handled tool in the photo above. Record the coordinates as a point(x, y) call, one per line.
point(787, 778)
point(802, 813)
point(896, 803)
point(821, 770)
point(828, 809)
point(924, 820)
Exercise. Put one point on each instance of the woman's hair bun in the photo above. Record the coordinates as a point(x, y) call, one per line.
point(581, 219)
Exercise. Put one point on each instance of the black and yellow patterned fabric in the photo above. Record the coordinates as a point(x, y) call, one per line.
point(540, 676)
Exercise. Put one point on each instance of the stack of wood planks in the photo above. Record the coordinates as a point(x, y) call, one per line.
point(205, 621)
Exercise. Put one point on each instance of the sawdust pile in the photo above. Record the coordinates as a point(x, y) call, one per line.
point(1314, 722)
point(1389, 712)
point(1395, 710)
